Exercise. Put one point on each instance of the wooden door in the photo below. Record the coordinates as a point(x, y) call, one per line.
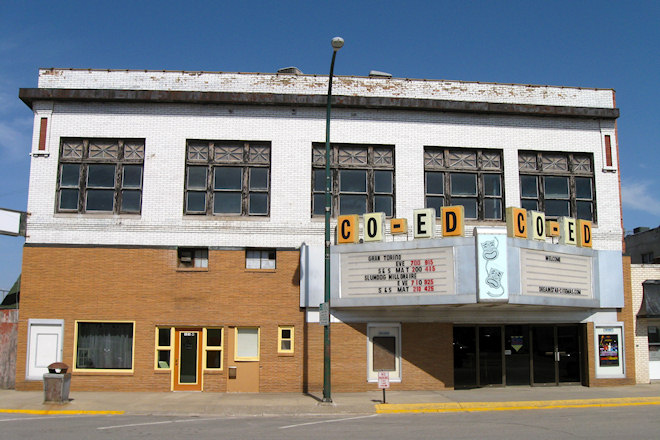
point(243, 368)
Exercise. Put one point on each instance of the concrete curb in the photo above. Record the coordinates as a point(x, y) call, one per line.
point(59, 412)
point(512, 406)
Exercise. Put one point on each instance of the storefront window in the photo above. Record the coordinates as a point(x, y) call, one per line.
point(104, 345)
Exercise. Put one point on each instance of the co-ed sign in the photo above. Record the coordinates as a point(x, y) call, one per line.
point(520, 224)
point(452, 220)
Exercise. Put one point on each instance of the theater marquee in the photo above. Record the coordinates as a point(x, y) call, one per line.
point(398, 272)
point(555, 274)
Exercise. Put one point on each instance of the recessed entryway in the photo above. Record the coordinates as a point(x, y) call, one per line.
point(497, 355)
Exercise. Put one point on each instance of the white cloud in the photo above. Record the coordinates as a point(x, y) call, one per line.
point(641, 196)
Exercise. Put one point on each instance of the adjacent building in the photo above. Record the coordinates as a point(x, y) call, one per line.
point(643, 245)
point(175, 233)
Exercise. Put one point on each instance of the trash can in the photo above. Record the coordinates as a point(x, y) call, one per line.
point(57, 383)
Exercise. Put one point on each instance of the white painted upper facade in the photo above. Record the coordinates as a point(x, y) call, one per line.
point(318, 85)
point(291, 130)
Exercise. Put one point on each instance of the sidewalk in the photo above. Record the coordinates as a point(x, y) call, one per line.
point(221, 404)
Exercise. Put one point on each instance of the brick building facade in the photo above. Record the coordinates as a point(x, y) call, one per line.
point(175, 224)
point(647, 322)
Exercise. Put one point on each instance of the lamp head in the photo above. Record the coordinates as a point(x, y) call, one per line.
point(337, 43)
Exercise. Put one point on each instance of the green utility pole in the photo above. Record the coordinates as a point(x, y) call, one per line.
point(337, 44)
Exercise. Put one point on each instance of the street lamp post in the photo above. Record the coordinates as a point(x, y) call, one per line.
point(337, 44)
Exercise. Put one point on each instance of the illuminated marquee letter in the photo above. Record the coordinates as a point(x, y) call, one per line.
point(374, 224)
point(424, 223)
point(348, 229)
point(568, 228)
point(453, 224)
point(536, 225)
point(398, 226)
point(516, 222)
point(584, 233)
point(551, 228)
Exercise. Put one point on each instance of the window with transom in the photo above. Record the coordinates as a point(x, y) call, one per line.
point(468, 177)
point(362, 179)
point(558, 184)
point(100, 176)
point(227, 178)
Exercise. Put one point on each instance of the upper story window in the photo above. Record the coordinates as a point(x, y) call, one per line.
point(260, 258)
point(362, 179)
point(468, 177)
point(558, 184)
point(100, 175)
point(227, 178)
point(192, 258)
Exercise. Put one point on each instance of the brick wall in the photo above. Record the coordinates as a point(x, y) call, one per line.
point(426, 357)
point(143, 285)
point(8, 337)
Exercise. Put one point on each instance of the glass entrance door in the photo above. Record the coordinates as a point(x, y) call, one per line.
point(543, 340)
point(465, 357)
point(556, 356)
point(187, 361)
point(568, 354)
point(478, 356)
point(516, 354)
point(490, 356)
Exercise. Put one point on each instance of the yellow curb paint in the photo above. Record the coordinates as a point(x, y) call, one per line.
point(513, 406)
point(59, 412)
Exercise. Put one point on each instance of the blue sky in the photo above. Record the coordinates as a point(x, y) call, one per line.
point(603, 44)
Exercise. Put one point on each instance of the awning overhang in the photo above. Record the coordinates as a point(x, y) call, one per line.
point(651, 302)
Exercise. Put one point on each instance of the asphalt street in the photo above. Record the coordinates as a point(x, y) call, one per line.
point(630, 422)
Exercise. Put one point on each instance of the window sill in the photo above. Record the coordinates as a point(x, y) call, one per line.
point(321, 218)
point(285, 354)
point(475, 222)
point(192, 269)
point(261, 270)
point(226, 218)
point(40, 154)
point(102, 373)
point(163, 370)
point(214, 372)
point(108, 215)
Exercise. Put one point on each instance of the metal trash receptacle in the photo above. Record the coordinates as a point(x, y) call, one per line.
point(57, 383)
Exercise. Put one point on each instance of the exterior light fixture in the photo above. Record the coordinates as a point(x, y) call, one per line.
point(337, 44)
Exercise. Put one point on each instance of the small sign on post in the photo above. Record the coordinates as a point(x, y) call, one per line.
point(324, 314)
point(384, 382)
